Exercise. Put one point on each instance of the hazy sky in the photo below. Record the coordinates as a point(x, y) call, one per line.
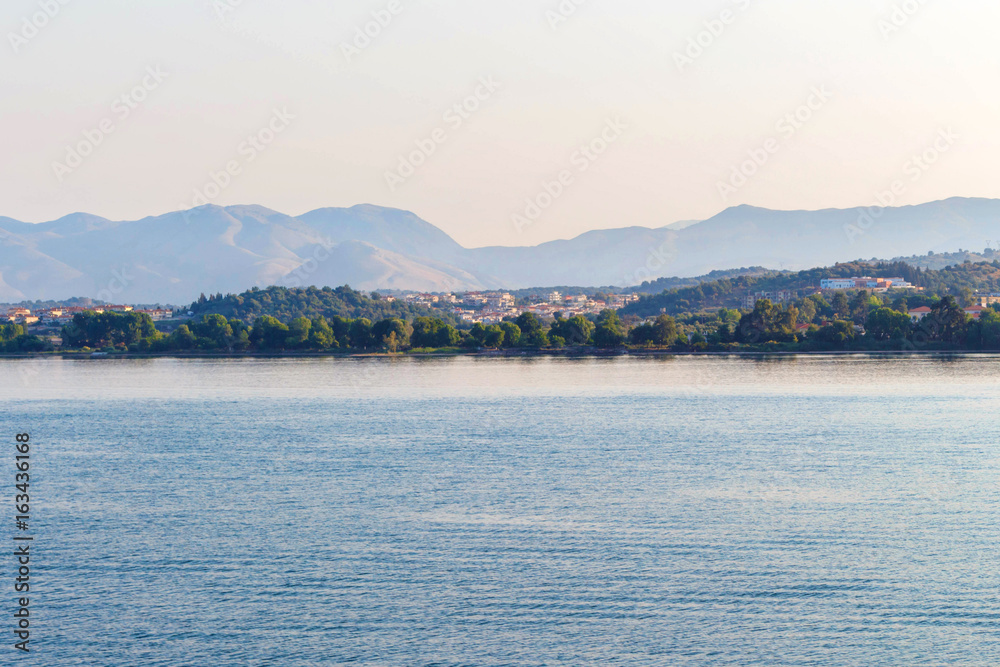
point(667, 120)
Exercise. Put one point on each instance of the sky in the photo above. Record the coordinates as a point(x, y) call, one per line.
point(503, 123)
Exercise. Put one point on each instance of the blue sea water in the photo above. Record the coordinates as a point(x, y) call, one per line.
point(803, 511)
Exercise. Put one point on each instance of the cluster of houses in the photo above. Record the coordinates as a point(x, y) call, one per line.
point(779, 297)
point(983, 301)
point(986, 299)
point(494, 307)
point(64, 315)
point(873, 285)
point(571, 306)
point(867, 283)
point(918, 314)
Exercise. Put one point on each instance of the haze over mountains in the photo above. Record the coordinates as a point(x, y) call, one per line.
point(172, 258)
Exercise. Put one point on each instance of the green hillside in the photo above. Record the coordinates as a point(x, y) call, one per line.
point(286, 304)
point(960, 281)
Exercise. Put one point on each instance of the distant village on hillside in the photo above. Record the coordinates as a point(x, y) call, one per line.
point(493, 307)
point(64, 315)
point(470, 307)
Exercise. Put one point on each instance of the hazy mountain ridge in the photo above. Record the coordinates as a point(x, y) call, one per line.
point(662, 284)
point(942, 260)
point(174, 257)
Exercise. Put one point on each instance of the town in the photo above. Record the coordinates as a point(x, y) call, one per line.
point(494, 307)
point(49, 317)
point(981, 301)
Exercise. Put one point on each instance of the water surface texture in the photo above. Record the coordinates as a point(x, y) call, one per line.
point(807, 511)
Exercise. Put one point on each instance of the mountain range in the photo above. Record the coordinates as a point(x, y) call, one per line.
point(172, 258)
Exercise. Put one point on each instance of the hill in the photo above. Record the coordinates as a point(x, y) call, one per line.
point(171, 258)
point(663, 284)
point(941, 260)
point(287, 304)
point(961, 281)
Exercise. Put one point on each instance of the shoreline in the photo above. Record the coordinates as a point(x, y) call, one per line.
point(506, 354)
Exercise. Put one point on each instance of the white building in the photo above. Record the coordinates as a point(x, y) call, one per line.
point(838, 283)
point(782, 296)
point(157, 314)
point(500, 300)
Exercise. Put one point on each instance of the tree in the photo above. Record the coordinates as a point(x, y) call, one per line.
point(577, 330)
point(73, 334)
point(433, 332)
point(511, 334)
point(535, 339)
point(725, 333)
point(946, 323)
point(9, 332)
point(760, 324)
point(298, 333)
point(341, 330)
point(532, 333)
point(425, 332)
point(837, 333)
point(662, 332)
point(494, 337)
point(135, 327)
point(788, 322)
point(861, 305)
point(885, 324)
point(841, 306)
point(447, 336)
point(361, 334)
point(241, 335)
point(808, 310)
point(528, 323)
point(478, 333)
point(268, 334)
point(216, 330)
point(390, 334)
point(823, 307)
point(985, 332)
point(182, 339)
point(110, 329)
point(321, 335)
point(610, 331)
point(14, 339)
point(729, 315)
point(27, 343)
point(642, 334)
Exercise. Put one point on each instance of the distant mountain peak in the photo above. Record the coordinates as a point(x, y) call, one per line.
point(255, 209)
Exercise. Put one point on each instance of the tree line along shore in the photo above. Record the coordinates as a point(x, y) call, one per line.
point(860, 322)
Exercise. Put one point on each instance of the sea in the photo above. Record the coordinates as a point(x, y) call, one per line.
point(505, 511)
